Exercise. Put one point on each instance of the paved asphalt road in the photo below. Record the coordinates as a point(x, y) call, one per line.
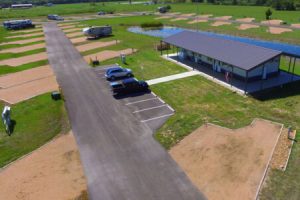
point(120, 157)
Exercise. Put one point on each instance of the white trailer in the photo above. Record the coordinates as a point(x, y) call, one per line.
point(97, 31)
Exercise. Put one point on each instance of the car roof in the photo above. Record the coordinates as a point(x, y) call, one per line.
point(129, 80)
point(113, 68)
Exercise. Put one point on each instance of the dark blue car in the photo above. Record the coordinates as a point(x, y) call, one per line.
point(128, 86)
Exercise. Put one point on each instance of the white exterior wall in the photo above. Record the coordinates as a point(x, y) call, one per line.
point(271, 67)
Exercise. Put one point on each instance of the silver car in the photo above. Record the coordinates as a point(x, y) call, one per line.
point(117, 72)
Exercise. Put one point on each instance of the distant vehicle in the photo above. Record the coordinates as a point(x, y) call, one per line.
point(55, 17)
point(163, 9)
point(101, 13)
point(27, 5)
point(128, 86)
point(18, 24)
point(97, 31)
point(117, 72)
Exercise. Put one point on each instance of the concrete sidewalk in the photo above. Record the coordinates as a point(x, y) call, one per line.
point(172, 77)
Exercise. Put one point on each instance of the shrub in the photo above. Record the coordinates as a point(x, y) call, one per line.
point(152, 25)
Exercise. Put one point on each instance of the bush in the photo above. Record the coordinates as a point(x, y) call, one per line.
point(152, 25)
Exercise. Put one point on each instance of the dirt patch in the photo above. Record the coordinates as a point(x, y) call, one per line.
point(205, 16)
point(164, 17)
point(174, 13)
point(187, 15)
point(68, 24)
point(247, 19)
point(52, 172)
point(68, 27)
point(247, 26)
point(108, 54)
point(14, 62)
point(225, 163)
point(24, 49)
point(70, 35)
point(29, 30)
point(25, 76)
point(95, 45)
point(223, 18)
point(295, 25)
point(220, 23)
point(78, 40)
point(272, 22)
point(197, 21)
point(179, 19)
point(72, 30)
point(18, 93)
point(26, 35)
point(24, 41)
point(276, 30)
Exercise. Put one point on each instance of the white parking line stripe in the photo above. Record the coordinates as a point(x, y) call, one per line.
point(140, 101)
point(148, 108)
point(146, 120)
point(161, 100)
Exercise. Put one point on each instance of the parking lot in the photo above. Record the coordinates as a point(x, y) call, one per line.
point(147, 107)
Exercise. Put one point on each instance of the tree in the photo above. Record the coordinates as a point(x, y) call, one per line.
point(268, 14)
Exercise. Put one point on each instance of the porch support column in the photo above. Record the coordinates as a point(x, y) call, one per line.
point(290, 64)
point(161, 50)
point(246, 83)
point(231, 78)
point(293, 68)
point(167, 52)
point(262, 80)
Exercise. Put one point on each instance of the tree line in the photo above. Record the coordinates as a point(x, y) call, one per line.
point(8, 3)
point(276, 4)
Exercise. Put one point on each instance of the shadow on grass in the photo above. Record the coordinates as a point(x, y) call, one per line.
point(286, 90)
point(99, 38)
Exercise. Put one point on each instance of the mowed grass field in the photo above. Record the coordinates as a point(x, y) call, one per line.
point(197, 100)
point(37, 120)
point(3, 56)
point(146, 63)
point(257, 12)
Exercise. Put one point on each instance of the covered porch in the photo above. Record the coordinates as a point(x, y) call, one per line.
point(242, 86)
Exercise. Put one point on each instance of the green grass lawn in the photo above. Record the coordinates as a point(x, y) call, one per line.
point(146, 63)
point(257, 12)
point(3, 56)
point(258, 33)
point(37, 121)
point(197, 100)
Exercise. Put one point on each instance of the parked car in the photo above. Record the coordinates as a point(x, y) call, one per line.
point(101, 13)
point(117, 72)
point(128, 86)
point(55, 17)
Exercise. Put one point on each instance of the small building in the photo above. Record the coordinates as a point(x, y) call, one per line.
point(240, 60)
point(28, 5)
